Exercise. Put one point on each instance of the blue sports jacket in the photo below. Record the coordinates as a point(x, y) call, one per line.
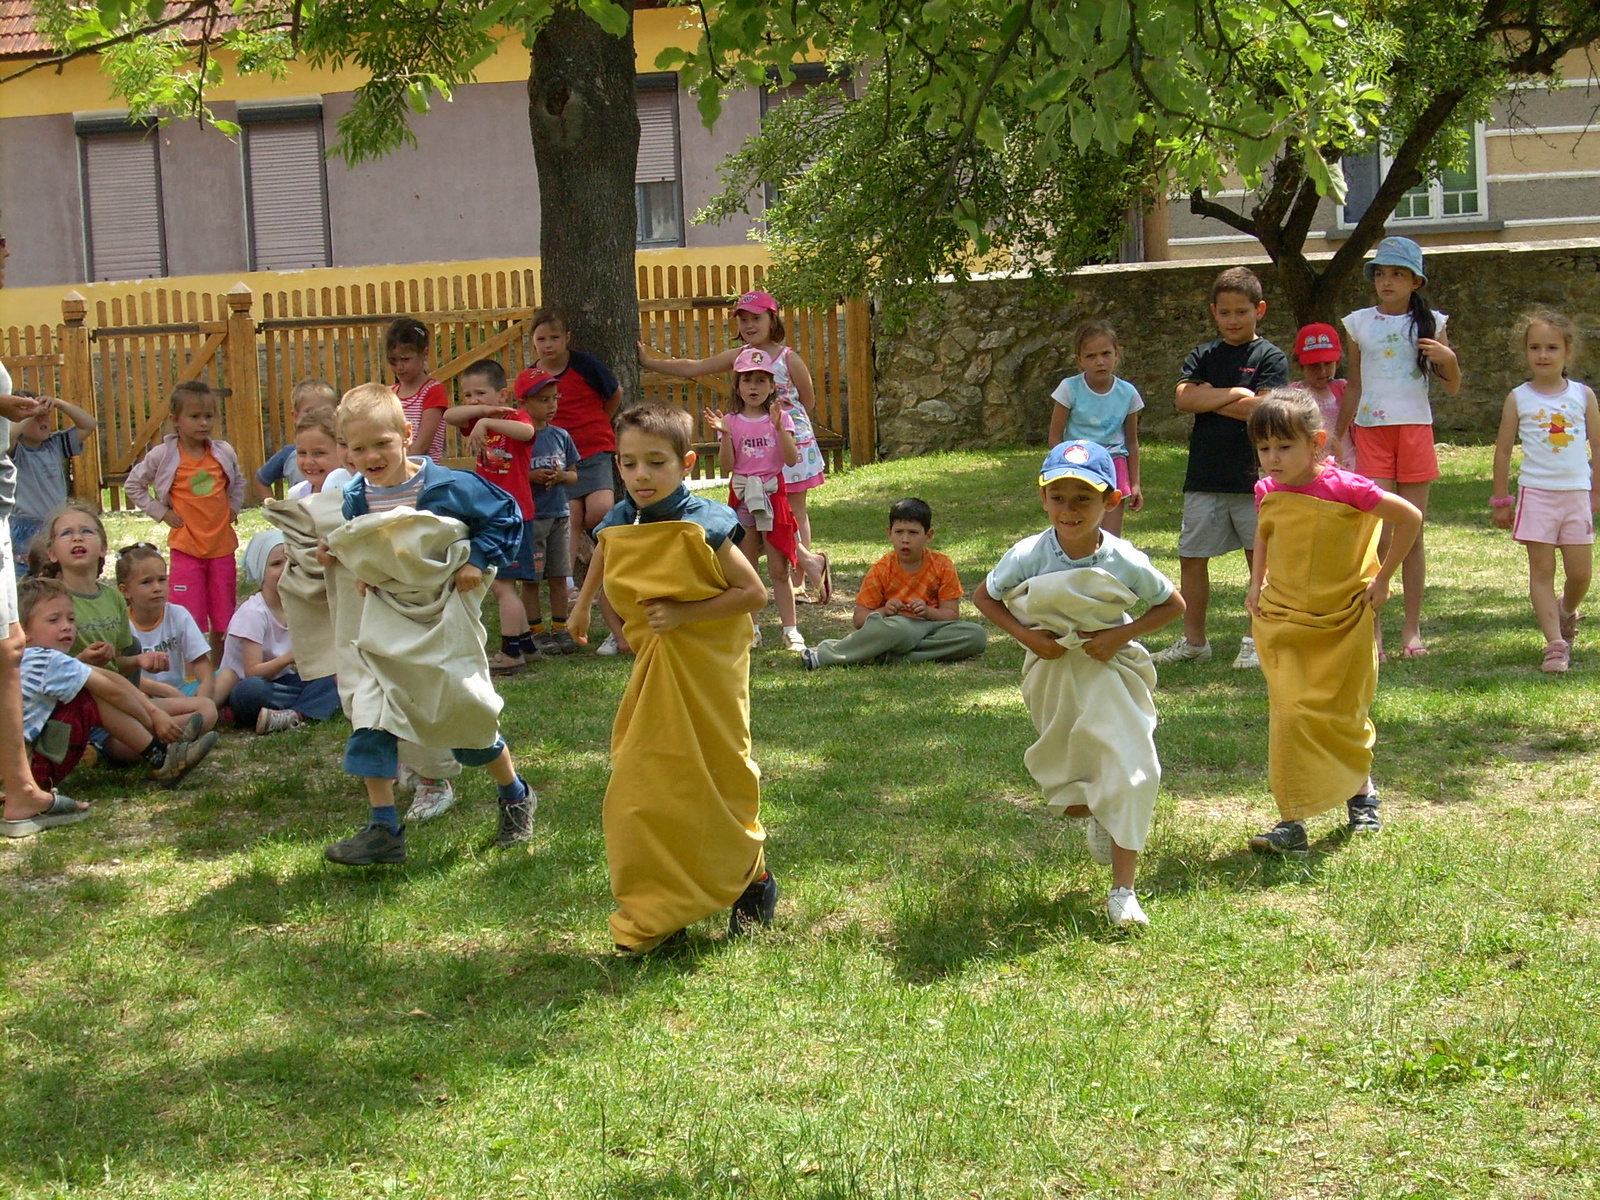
point(491, 515)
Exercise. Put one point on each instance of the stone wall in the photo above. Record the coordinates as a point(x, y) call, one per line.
point(977, 367)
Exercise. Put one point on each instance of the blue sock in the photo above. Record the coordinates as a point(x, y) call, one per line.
point(388, 816)
point(514, 791)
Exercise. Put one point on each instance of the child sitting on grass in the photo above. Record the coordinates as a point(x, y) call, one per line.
point(184, 683)
point(65, 700)
point(909, 605)
point(1066, 590)
point(1315, 587)
point(681, 814)
point(258, 680)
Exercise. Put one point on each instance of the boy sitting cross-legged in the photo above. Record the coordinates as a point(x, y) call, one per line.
point(65, 699)
point(424, 535)
point(909, 606)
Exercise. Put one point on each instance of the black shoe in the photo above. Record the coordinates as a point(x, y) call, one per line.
point(756, 906)
point(373, 844)
point(516, 817)
point(1286, 837)
point(808, 658)
point(1362, 812)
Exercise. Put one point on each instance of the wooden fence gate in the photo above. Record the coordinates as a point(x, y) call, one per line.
point(123, 365)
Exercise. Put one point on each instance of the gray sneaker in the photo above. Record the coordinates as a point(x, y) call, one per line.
point(368, 846)
point(1246, 659)
point(547, 645)
point(181, 756)
point(1286, 837)
point(1182, 651)
point(565, 642)
point(516, 818)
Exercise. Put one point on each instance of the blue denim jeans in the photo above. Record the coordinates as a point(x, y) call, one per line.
point(375, 754)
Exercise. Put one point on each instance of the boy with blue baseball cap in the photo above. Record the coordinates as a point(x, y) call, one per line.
point(1070, 589)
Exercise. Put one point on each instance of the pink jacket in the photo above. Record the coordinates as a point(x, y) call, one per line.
point(149, 484)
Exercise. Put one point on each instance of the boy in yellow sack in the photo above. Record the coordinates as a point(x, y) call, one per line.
point(1315, 587)
point(683, 834)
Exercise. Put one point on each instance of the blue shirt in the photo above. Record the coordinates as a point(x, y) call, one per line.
point(1098, 418)
point(718, 520)
point(553, 449)
point(49, 678)
point(284, 465)
point(491, 515)
point(1042, 554)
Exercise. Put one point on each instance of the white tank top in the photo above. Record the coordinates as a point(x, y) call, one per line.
point(1555, 445)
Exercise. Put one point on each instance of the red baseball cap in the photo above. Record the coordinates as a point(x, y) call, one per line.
point(756, 302)
point(529, 381)
point(1318, 343)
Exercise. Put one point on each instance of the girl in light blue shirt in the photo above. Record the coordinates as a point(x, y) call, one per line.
point(1096, 405)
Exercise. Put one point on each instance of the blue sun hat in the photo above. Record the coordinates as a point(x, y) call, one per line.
point(1396, 252)
point(1088, 461)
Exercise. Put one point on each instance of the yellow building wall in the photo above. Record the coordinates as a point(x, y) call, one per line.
point(42, 305)
point(81, 88)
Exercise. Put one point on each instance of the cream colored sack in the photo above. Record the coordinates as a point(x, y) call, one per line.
point(422, 673)
point(1096, 720)
point(303, 585)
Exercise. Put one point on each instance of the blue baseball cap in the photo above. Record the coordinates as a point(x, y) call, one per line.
point(1088, 461)
point(1397, 252)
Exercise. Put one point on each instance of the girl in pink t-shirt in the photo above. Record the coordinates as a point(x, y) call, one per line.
point(757, 443)
point(1315, 589)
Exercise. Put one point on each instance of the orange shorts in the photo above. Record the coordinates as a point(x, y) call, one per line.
point(1403, 453)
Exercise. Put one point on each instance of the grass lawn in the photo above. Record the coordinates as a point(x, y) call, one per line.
point(195, 1005)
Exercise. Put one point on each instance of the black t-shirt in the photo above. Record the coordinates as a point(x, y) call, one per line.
point(1221, 458)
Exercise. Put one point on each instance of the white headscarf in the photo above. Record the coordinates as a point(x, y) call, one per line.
point(258, 551)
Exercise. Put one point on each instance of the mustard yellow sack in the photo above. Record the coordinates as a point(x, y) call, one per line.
point(681, 816)
point(1314, 639)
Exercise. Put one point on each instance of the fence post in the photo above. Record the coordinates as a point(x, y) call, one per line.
point(77, 385)
point(858, 351)
point(244, 381)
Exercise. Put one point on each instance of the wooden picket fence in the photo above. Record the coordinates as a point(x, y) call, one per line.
point(123, 363)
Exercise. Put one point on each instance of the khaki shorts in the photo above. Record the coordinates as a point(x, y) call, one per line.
point(552, 548)
point(1216, 523)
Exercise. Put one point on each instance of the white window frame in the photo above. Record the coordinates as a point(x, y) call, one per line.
point(1436, 191)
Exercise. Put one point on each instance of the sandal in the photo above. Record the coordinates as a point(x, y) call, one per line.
point(825, 586)
point(1414, 652)
point(1557, 658)
point(63, 810)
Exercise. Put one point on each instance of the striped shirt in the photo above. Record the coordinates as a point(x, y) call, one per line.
point(401, 495)
point(49, 678)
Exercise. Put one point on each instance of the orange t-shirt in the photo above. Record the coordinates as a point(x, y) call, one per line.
point(200, 496)
point(935, 584)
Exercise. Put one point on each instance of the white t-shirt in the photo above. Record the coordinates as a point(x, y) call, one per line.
point(337, 478)
point(179, 638)
point(254, 622)
point(1393, 391)
point(1554, 431)
point(300, 490)
point(1098, 416)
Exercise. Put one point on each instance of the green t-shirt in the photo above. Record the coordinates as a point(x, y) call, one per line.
point(102, 617)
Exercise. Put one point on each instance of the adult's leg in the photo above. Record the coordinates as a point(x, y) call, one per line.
point(1194, 581)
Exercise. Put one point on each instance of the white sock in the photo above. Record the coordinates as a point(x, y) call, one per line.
point(791, 629)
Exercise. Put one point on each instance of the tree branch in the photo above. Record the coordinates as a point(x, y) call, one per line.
point(142, 31)
point(1202, 207)
point(971, 124)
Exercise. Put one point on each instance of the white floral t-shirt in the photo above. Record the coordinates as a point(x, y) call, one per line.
point(1393, 391)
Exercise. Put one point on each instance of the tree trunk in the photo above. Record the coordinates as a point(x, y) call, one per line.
point(584, 117)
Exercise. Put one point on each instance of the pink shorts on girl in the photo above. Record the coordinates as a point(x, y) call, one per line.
point(1553, 518)
point(207, 587)
point(1124, 485)
point(1403, 453)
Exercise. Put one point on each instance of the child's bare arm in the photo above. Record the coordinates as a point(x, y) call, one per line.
point(687, 368)
point(578, 618)
point(791, 448)
point(255, 662)
point(1058, 422)
point(1203, 398)
point(158, 690)
point(800, 376)
point(1258, 574)
point(1351, 402)
point(950, 610)
point(107, 687)
point(1502, 514)
point(1592, 416)
point(1406, 518)
point(80, 418)
point(1130, 438)
point(745, 594)
point(427, 426)
point(1040, 641)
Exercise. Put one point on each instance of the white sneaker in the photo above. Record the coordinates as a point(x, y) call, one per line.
point(276, 720)
point(794, 640)
point(1099, 842)
point(432, 799)
point(1182, 651)
point(1246, 659)
point(1122, 906)
point(608, 647)
point(755, 637)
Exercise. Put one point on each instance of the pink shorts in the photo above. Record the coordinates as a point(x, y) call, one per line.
point(207, 587)
point(1121, 465)
point(1403, 453)
point(1553, 518)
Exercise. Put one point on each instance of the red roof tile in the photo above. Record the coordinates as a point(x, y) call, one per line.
point(21, 38)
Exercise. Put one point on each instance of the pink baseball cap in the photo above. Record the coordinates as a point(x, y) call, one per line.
point(529, 381)
point(1317, 343)
point(756, 302)
point(751, 359)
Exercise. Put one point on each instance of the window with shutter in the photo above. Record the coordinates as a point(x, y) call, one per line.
point(656, 186)
point(122, 206)
point(807, 77)
point(286, 191)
